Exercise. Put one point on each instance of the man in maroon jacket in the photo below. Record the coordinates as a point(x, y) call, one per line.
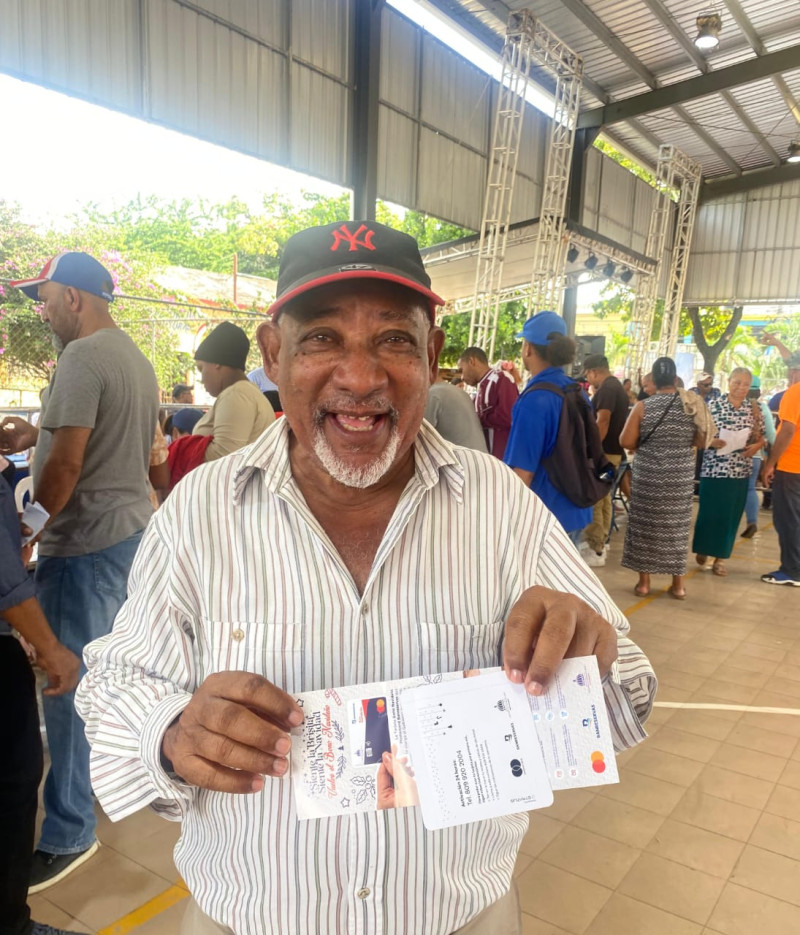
point(494, 400)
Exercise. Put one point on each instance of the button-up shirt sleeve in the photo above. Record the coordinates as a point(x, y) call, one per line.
point(15, 583)
point(140, 679)
point(630, 686)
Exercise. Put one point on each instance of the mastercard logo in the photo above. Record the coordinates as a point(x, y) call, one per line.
point(380, 704)
point(598, 762)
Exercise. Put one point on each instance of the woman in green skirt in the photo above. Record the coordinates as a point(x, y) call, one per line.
point(727, 464)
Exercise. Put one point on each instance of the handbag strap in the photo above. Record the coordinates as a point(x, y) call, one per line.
point(660, 420)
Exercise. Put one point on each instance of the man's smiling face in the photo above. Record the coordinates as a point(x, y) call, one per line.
point(354, 362)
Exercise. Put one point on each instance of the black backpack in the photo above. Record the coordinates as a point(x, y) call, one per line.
point(577, 465)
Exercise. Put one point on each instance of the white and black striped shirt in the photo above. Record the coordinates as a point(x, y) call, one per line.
point(234, 572)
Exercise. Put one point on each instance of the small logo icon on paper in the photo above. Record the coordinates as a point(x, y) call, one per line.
point(516, 768)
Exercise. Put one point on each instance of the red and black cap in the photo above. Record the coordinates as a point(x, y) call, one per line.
point(350, 250)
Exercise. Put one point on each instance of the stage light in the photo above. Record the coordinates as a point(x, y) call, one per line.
point(794, 152)
point(709, 26)
point(591, 262)
point(626, 275)
point(608, 269)
point(572, 254)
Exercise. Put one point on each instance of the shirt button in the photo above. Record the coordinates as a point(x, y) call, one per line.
point(237, 635)
point(363, 892)
point(364, 610)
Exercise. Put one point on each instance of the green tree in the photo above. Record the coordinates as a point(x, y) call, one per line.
point(507, 347)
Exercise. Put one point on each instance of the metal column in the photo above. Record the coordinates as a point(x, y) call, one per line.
point(502, 171)
point(690, 178)
point(547, 278)
point(364, 140)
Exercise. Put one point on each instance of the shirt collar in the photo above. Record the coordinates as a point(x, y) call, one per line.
point(434, 460)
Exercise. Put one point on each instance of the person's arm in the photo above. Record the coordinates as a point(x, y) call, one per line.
point(525, 476)
point(234, 416)
point(603, 422)
point(59, 663)
point(629, 436)
point(62, 469)
point(772, 340)
point(502, 396)
point(564, 611)
point(782, 442)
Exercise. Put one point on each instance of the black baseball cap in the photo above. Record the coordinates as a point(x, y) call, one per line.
point(350, 250)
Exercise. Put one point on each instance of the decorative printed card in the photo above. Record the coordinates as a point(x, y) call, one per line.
point(368, 747)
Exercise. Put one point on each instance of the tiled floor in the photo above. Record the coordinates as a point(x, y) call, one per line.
point(701, 836)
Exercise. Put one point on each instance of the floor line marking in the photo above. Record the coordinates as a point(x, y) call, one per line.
point(703, 706)
point(154, 907)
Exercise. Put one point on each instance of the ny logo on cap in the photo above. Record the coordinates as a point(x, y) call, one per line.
point(343, 235)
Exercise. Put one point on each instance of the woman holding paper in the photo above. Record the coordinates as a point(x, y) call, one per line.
point(727, 465)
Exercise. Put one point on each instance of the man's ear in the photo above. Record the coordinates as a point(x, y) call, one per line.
point(73, 298)
point(269, 341)
point(436, 338)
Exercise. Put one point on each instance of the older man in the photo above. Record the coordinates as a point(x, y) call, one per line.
point(349, 543)
point(91, 477)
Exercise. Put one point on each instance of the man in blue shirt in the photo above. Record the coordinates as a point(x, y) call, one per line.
point(20, 739)
point(536, 416)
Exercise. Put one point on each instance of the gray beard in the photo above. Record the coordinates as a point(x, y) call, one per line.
point(357, 477)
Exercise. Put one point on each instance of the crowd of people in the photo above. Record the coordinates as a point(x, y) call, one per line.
point(372, 532)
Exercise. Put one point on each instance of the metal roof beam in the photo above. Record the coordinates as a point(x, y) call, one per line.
point(740, 112)
point(708, 139)
point(718, 188)
point(712, 82)
point(582, 12)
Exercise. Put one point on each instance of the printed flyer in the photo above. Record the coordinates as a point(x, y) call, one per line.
point(375, 746)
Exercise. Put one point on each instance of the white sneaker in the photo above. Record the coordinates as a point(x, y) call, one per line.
point(593, 560)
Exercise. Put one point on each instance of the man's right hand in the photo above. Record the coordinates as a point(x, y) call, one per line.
point(233, 733)
point(16, 435)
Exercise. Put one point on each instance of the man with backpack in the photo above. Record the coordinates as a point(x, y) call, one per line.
point(554, 445)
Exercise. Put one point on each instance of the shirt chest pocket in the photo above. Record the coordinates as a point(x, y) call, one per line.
point(271, 649)
point(451, 647)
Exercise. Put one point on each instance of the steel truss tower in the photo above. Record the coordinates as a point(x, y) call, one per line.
point(502, 170)
point(674, 169)
point(549, 256)
point(689, 173)
point(528, 42)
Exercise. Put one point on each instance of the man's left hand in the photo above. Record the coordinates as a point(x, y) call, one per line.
point(544, 627)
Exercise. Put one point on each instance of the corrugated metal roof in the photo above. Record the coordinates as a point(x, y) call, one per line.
point(652, 44)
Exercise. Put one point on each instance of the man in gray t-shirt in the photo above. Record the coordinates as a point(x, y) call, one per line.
point(452, 413)
point(90, 469)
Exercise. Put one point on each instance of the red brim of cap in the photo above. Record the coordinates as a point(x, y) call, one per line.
point(278, 305)
point(29, 286)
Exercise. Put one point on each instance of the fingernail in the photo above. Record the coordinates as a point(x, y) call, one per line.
point(535, 688)
point(296, 718)
point(257, 784)
point(515, 675)
point(283, 746)
point(280, 767)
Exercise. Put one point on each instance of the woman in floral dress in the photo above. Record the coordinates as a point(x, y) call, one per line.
point(725, 471)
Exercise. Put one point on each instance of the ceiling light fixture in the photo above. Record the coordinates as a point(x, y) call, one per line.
point(608, 269)
point(709, 26)
point(572, 254)
point(794, 152)
point(591, 262)
point(626, 275)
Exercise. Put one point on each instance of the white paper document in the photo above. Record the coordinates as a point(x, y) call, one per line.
point(474, 750)
point(463, 745)
point(734, 440)
point(35, 517)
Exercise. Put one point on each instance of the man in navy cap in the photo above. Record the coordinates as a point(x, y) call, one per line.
point(349, 543)
point(91, 479)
